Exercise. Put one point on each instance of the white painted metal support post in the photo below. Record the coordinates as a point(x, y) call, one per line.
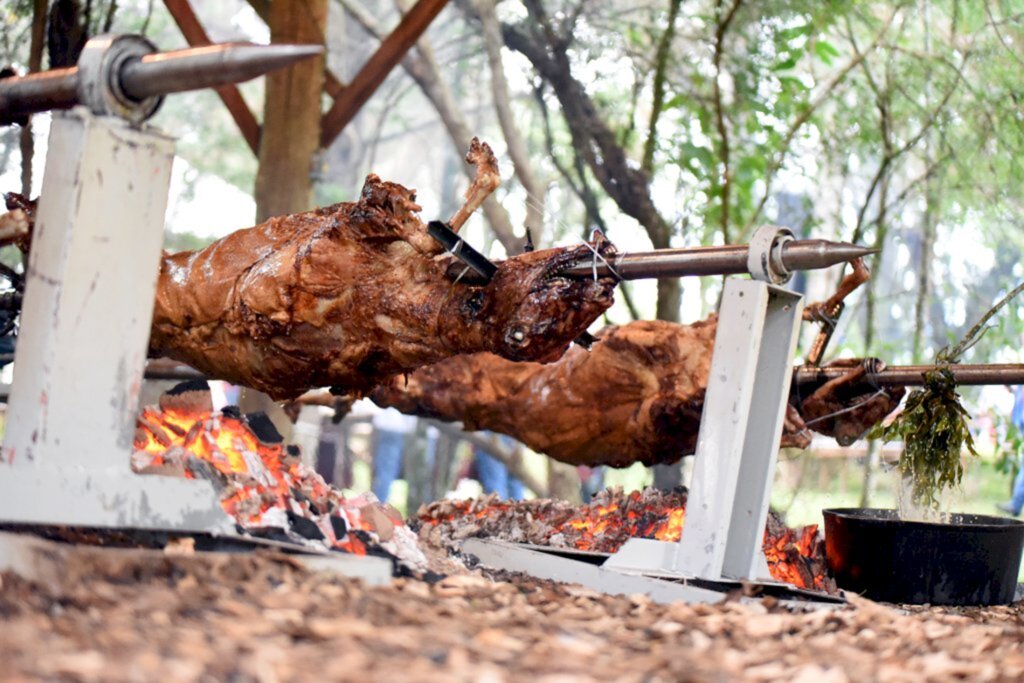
point(744, 408)
point(738, 443)
point(85, 323)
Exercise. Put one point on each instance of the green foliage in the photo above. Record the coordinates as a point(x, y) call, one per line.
point(934, 424)
point(1009, 445)
point(175, 242)
point(934, 429)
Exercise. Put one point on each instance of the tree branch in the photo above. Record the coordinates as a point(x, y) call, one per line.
point(593, 140)
point(658, 97)
point(422, 67)
point(823, 95)
point(721, 27)
point(513, 139)
point(578, 183)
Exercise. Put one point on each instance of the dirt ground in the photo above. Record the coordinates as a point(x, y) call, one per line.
point(110, 616)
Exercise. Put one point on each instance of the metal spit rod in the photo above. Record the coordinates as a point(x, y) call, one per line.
point(913, 375)
point(150, 75)
point(900, 375)
point(721, 260)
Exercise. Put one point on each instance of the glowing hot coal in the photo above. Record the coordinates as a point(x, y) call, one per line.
point(263, 483)
point(795, 556)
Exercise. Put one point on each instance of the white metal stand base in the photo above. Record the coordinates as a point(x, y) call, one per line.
point(88, 306)
point(744, 407)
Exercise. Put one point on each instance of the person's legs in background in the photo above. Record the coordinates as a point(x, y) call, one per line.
point(387, 461)
point(1017, 500)
point(493, 474)
point(591, 481)
point(516, 489)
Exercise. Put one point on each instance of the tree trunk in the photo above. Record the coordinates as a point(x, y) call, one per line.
point(419, 470)
point(290, 136)
point(593, 140)
point(670, 298)
point(517, 148)
point(444, 464)
point(289, 139)
point(26, 143)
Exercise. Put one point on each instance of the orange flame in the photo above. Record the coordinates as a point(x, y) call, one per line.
point(259, 477)
point(794, 556)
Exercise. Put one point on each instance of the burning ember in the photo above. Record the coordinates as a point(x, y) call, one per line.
point(263, 484)
point(795, 556)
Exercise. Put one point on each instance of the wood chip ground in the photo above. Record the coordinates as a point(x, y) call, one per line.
point(181, 617)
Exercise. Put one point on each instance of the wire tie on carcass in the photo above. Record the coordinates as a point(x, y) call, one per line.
point(848, 408)
point(597, 255)
point(872, 367)
point(464, 271)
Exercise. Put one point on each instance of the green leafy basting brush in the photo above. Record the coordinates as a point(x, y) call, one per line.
point(933, 424)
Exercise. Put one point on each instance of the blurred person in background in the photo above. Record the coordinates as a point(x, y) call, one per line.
point(1016, 502)
point(391, 432)
point(494, 475)
point(591, 481)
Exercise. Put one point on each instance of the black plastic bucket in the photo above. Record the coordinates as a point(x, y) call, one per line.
point(974, 560)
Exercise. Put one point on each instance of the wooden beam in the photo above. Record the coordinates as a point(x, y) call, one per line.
point(373, 73)
point(196, 36)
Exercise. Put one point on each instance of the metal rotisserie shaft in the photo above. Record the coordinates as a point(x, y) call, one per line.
point(899, 375)
point(913, 375)
point(151, 75)
point(721, 260)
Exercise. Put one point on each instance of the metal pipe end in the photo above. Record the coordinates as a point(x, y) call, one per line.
point(845, 251)
point(209, 66)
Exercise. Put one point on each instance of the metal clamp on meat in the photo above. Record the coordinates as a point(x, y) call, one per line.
point(461, 250)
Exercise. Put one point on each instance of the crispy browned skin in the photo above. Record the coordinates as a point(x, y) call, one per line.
point(350, 295)
point(16, 225)
point(636, 397)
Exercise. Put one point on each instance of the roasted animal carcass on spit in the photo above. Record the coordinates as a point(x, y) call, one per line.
point(636, 396)
point(349, 295)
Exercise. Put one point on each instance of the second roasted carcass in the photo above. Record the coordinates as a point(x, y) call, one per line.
point(637, 396)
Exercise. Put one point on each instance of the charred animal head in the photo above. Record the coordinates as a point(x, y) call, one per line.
point(531, 311)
